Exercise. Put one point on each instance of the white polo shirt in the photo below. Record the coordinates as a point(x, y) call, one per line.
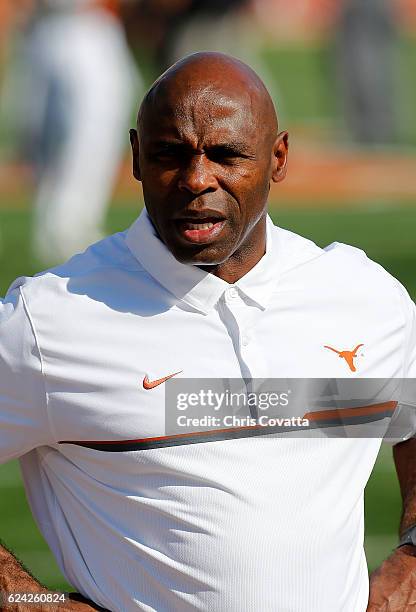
point(252, 523)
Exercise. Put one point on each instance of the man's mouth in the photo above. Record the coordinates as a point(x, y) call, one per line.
point(199, 226)
point(201, 230)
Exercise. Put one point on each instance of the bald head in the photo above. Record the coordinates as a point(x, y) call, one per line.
point(205, 76)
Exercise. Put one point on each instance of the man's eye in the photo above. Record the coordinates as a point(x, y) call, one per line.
point(171, 156)
point(223, 154)
point(166, 153)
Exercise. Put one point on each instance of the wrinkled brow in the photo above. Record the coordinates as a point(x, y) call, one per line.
point(232, 145)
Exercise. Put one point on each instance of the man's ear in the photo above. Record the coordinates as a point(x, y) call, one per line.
point(280, 152)
point(134, 141)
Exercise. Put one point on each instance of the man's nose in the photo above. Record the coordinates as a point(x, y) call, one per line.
point(197, 175)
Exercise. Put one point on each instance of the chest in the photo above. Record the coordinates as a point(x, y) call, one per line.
point(108, 371)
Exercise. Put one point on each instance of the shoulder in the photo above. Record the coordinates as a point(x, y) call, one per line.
point(85, 293)
point(102, 265)
point(338, 263)
point(352, 267)
point(354, 272)
point(338, 275)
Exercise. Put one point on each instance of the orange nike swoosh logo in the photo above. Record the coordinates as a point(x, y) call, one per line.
point(349, 356)
point(151, 384)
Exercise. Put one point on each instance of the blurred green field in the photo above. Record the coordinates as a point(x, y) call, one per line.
point(387, 235)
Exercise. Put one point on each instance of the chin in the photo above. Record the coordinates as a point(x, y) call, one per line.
point(205, 257)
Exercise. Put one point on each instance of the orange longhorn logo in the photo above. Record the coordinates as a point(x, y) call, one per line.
point(347, 355)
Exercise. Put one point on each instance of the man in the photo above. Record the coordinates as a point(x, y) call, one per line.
point(366, 48)
point(202, 283)
point(78, 74)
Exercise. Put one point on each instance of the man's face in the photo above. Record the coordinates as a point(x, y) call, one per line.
point(205, 162)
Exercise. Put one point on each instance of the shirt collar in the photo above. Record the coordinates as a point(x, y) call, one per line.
point(189, 283)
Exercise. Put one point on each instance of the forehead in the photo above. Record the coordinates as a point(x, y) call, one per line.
point(201, 113)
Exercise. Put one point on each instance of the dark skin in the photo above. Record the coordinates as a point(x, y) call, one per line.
point(393, 584)
point(15, 579)
point(207, 145)
point(208, 139)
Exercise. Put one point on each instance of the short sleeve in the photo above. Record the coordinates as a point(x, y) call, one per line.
point(24, 421)
point(403, 423)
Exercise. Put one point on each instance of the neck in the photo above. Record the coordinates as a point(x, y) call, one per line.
point(244, 258)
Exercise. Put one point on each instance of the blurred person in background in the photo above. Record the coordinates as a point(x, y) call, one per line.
point(366, 44)
point(175, 28)
point(5, 11)
point(196, 24)
point(78, 95)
